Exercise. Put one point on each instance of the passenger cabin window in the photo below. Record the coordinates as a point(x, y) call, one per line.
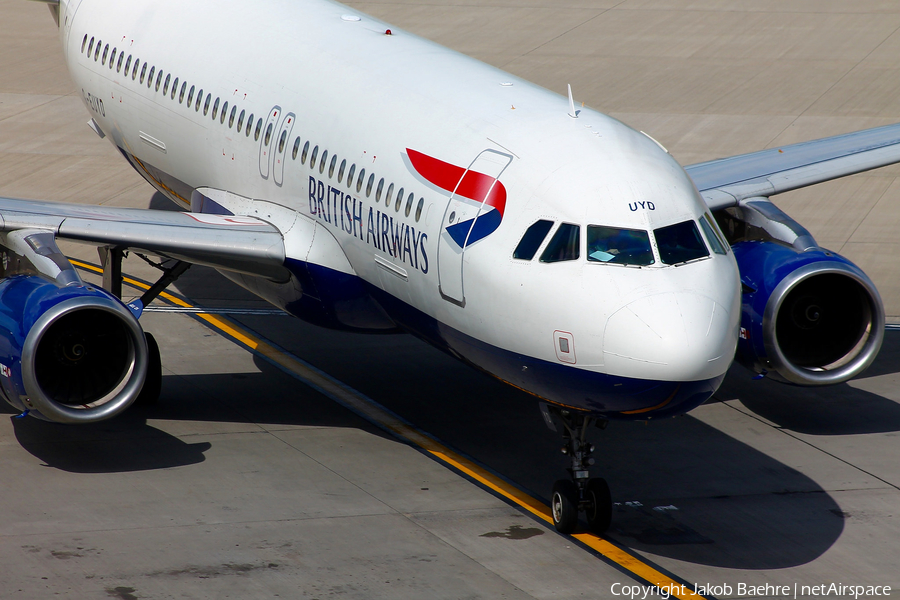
point(370, 184)
point(679, 243)
point(332, 165)
point(231, 117)
point(360, 180)
point(119, 64)
point(419, 208)
point(174, 89)
point(166, 84)
point(341, 170)
point(390, 195)
point(712, 235)
point(206, 110)
point(83, 42)
point(296, 149)
point(127, 66)
point(143, 73)
point(112, 59)
point(409, 202)
point(105, 52)
point(399, 200)
point(350, 176)
point(215, 113)
point(97, 51)
point(305, 153)
point(134, 71)
point(379, 190)
point(224, 113)
point(312, 159)
point(150, 77)
point(158, 80)
point(249, 125)
point(240, 126)
point(181, 93)
point(617, 246)
point(323, 161)
point(564, 245)
point(258, 130)
point(532, 240)
point(199, 100)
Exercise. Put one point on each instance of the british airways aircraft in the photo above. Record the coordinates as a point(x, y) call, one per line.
point(364, 179)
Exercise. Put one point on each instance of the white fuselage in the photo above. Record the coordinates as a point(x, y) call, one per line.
point(591, 334)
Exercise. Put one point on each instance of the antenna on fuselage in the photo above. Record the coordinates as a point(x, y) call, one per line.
point(572, 112)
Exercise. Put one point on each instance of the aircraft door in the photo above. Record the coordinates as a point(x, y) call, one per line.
point(474, 211)
point(266, 139)
point(281, 145)
point(67, 14)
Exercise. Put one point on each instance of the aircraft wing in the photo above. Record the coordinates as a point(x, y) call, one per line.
point(234, 243)
point(727, 181)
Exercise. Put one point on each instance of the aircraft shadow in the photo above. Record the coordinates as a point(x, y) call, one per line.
point(130, 443)
point(123, 444)
point(836, 410)
point(684, 489)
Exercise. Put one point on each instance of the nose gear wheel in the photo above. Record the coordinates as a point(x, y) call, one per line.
point(580, 492)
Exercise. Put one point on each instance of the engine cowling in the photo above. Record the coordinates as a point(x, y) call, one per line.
point(72, 354)
point(807, 317)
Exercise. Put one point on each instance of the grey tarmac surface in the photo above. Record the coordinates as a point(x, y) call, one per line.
point(242, 482)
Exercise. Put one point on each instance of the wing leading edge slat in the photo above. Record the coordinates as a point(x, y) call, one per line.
point(727, 181)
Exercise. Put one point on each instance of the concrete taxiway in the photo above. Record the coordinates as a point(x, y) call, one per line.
point(245, 482)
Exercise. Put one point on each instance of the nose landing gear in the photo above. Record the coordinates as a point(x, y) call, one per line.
point(580, 492)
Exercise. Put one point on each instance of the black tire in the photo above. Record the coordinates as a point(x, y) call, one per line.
point(599, 505)
point(153, 383)
point(564, 506)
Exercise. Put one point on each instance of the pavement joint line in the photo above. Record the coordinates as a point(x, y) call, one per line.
point(217, 311)
point(794, 436)
point(384, 418)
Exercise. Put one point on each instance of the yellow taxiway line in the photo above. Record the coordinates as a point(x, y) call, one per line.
point(375, 413)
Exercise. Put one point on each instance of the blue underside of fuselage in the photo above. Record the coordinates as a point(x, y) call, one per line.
point(604, 395)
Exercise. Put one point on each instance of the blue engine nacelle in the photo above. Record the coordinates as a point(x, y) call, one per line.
point(807, 317)
point(69, 354)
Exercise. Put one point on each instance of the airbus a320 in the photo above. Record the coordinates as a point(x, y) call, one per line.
point(364, 179)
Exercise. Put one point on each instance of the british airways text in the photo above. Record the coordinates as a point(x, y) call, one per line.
point(379, 229)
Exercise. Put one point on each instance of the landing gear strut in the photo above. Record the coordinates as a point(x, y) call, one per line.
point(580, 492)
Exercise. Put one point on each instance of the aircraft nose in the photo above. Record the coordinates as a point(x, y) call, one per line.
point(673, 336)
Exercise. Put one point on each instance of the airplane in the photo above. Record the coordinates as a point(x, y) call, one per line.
point(364, 179)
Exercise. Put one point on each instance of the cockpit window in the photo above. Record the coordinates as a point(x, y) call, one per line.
point(712, 235)
point(680, 243)
point(564, 245)
point(619, 246)
point(532, 240)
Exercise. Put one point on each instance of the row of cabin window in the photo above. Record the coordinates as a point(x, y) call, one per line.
point(91, 48)
point(360, 177)
point(398, 200)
